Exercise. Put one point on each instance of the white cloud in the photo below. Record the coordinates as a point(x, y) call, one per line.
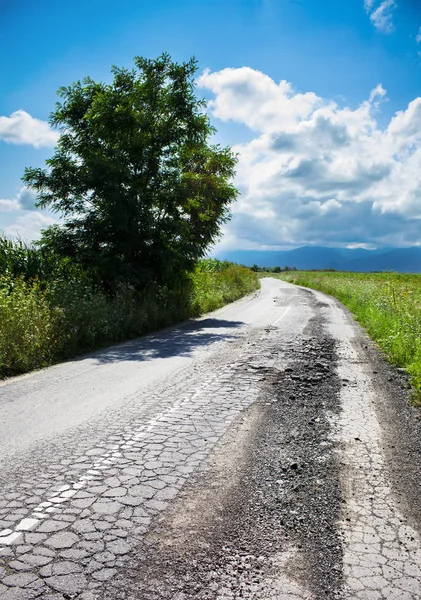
point(27, 198)
point(418, 38)
point(24, 200)
point(7, 205)
point(381, 14)
point(279, 105)
point(28, 226)
point(22, 128)
point(316, 172)
point(368, 5)
point(27, 221)
point(376, 95)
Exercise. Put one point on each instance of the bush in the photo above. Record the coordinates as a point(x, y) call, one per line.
point(26, 326)
point(43, 324)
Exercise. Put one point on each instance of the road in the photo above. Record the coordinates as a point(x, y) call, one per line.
point(265, 451)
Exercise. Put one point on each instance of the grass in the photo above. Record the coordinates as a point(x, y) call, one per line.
point(388, 306)
point(44, 322)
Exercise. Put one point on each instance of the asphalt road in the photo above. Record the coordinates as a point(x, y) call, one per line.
point(263, 452)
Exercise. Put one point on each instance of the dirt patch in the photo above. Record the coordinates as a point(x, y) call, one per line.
point(262, 517)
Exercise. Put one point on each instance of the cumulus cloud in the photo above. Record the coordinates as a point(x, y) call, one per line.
point(27, 198)
point(381, 14)
point(22, 128)
point(24, 200)
point(246, 88)
point(28, 226)
point(316, 172)
point(7, 205)
point(418, 38)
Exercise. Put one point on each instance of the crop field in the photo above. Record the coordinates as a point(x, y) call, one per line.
point(387, 305)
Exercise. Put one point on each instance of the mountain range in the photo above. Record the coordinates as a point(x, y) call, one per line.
point(403, 260)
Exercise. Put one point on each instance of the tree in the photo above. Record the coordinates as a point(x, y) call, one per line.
point(141, 190)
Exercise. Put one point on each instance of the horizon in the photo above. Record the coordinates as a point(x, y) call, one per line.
point(322, 103)
point(319, 258)
point(351, 247)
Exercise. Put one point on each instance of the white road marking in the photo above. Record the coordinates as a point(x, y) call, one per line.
point(55, 501)
point(13, 537)
point(27, 524)
point(66, 492)
point(286, 311)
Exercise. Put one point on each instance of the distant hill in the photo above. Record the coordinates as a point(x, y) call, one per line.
point(403, 260)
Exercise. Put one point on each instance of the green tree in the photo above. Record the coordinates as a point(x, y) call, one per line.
point(141, 189)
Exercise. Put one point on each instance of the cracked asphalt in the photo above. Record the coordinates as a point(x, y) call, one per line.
point(265, 452)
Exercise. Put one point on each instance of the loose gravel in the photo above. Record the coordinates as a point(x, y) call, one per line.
point(272, 508)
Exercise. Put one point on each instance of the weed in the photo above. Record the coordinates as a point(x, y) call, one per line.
point(44, 323)
point(388, 305)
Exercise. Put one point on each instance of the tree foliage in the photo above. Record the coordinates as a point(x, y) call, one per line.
point(142, 191)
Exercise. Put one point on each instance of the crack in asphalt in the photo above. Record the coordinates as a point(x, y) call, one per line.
point(261, 524)
point(273, 468)
point(79, 542)
point(382, 552)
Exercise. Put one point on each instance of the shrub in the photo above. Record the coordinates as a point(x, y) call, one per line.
point(42, 324)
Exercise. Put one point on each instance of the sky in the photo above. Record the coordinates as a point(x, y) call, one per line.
point(321, 101)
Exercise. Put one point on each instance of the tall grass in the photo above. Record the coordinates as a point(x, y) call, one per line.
point(18, 259)
point(27, 324)
point(217, 283)
point(45, 321)
point(388, 305)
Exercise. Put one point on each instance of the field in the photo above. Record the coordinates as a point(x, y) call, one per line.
point(387, 305)
point(44, 320)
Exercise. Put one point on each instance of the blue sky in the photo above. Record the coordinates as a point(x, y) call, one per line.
point(330, 156)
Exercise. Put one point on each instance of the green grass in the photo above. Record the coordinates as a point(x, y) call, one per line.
point(44, 322)
point(388, 306)
point(215, 287)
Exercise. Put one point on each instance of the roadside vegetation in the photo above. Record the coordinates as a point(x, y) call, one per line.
point(46, 318)
point(278, 269)
point(142, 194)
point(388, 305)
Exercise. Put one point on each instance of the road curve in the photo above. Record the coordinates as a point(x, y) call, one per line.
point(265, 452)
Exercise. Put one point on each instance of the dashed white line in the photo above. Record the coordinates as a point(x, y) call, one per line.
point(66, 492)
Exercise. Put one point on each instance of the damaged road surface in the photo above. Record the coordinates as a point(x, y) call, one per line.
point(264, 452)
